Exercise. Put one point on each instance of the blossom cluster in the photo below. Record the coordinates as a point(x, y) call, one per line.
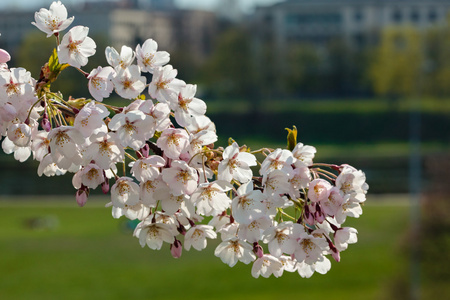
point(274, 208)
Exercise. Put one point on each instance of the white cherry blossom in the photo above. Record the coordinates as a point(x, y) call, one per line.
point(173, 142)
point(276, 183)
point(352, 182)
point(187, 105)
point(153, 190)
point(201, 123)
point(20, 153)
point(344, 236)
point(154, 234)
point(200, 139)
point(236, 164)
point(49, 168)
point(233, 250)
point(19, 134)
point(229, 231)
point(348, 208)
point(76, 47)
point(281, 238)
point(124, 192)
point(280, 159)
point(119, 61)
point(147, 168)
point(53, 20)
point(159, 113)
point(89, 121)
point(247, 206)
point(100, 82)
point(301, 177)
point(211, 198)
point(130, 128)
point(164, 86)
point(170, 204)
point(181, 178)
point(15, 85)
point(90, 176)
point(40, 144)
point(310, 247)
point(105, 150)
point(129, 83)
point(196, 237)
point(331, 204)
point(321, 266)
point(304, 155)
point(253, 231)
point(319, 190)
point(149, 58)
point(64, 141)
point(137, 211)
point(266, 266)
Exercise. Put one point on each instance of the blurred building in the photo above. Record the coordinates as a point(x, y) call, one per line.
point(230, 10)
point(174, 30)
point(126, 22)
point(358, 22)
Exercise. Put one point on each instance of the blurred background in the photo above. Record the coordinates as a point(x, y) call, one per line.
point(367, 82)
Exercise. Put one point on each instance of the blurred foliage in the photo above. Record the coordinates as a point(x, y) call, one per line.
point(240, 68)
point(435, 231)
point(432, 240)
point(410, 62)
point(397, 62)
point(437, 65)
point(229, 71)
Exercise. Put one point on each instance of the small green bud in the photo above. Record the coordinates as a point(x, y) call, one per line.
point(291, 138)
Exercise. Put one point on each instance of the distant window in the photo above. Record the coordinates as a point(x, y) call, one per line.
point(360, 40)
point(358, 16)
point(268, 19)
point(313, 19)
point(397, 16)
point(415, 17)
point(432, 15)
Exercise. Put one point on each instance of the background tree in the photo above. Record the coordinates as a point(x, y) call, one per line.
point(437, 64)
point(303, 74)
point(229, 70)
point(397, 62)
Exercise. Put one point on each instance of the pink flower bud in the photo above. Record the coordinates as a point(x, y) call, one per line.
point(334, 252)
point(45, 123)
point(181, 229)
point(258, 250)
point(336, 255)
point(309, 217)
point(4, 56)
point(81, 196)
point(176, 249)
point(145, 150)
point(318, 215)
point(105, 185)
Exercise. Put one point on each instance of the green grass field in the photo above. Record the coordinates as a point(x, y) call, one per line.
point(88, 256)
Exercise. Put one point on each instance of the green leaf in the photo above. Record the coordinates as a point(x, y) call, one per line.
point(53, 62)
point(291, 138)
point(54, 66)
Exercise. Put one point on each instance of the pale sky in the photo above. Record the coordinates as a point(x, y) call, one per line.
point(199, 4)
